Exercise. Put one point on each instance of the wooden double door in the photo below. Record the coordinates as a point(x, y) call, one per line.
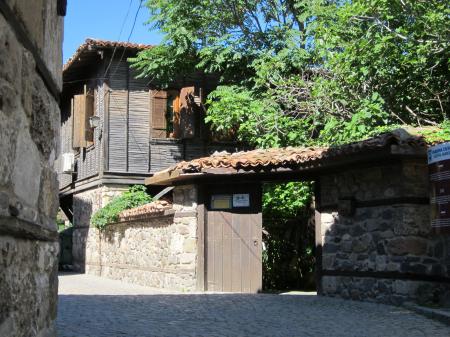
point(233, 243)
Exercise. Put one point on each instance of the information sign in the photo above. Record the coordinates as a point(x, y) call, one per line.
point(439, 168)
point(241, 200)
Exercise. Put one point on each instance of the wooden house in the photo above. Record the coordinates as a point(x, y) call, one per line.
point(117, 129)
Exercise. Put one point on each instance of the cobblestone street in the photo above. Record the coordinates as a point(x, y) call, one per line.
point(96, 307)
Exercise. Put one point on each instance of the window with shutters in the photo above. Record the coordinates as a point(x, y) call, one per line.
point(165, 113)
point(82, 107)
point(177, 113)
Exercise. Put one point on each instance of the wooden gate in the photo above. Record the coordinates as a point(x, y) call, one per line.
point(233, 241)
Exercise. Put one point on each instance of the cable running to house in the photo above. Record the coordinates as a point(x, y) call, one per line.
point(118, 38)
point(129, 37)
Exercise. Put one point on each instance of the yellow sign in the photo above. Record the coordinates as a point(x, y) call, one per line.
point(221, 201)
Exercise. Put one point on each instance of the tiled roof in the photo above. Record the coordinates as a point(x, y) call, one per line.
point(90, 44)
point(264, 160)
point(291, 156)
point(158, 207)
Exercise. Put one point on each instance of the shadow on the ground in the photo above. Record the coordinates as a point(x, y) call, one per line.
point(234, 315)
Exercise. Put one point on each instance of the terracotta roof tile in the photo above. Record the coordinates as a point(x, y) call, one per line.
point(158, 207)
point(102, 44)
point(289, 157)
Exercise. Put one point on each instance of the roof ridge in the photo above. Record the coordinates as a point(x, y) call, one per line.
point(100, 43)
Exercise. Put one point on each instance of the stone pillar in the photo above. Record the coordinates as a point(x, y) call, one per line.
point(185, 204)
point(376, 237)
point(30, 83)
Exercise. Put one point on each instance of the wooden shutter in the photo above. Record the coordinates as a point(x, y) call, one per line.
point(191, 112)
point(176, 113)
point(82, 108)
point(89, 112)
point(187, 112)
point(78, 121)
point(159, 106)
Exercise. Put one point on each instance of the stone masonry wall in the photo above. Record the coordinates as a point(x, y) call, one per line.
point(386, 240)
point(85, 204)
point(158, 252)
point(30, 47)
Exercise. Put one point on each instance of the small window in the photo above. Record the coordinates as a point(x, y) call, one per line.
point(177, 113)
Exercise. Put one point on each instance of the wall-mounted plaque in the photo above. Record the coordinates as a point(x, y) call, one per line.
point(439, 168)
point(221, 201)
point(241, 200)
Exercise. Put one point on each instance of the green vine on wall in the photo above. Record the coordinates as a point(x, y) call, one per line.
point(134, 197)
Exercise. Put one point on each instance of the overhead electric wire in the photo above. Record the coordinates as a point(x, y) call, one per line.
point(129, 37)
point(120, 34)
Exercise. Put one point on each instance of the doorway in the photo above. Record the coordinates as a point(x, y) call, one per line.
point(233, 238)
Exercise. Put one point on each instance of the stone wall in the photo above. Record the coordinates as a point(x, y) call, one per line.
point(384, 249)
point(30, 81)
point(158, 251)
point(85, 204)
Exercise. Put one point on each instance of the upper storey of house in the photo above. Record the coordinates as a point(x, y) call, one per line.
point(118, 128)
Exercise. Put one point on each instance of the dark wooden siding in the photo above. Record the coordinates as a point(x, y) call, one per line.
point(89, 160)
point(164, 153)
point(168, 152)
point(118, 117)
point(138, 125)
point(129, 121)
point(65, 144)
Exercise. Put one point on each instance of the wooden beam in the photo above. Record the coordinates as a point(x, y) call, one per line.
point(105, 135)
point(200, 266)
point(162, 178)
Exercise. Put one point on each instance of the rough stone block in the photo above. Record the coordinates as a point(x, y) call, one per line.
point(27, 307)
point(27, 170)
point(10, 55)
point(407, 245)
point(190, 245)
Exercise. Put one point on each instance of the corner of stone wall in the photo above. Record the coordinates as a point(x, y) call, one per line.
point(84, 237)
point(384, 250)
point(30, 40)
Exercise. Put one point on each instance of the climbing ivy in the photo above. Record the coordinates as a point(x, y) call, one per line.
point(135, 196)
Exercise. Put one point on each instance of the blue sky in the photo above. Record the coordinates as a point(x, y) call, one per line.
point(102, 19)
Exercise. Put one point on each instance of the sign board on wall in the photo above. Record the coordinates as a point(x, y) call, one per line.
point(221, 201)
point(241, 200)
point(439, 168)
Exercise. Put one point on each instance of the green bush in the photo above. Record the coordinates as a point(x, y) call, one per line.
point(135, 196)
point(288, 257)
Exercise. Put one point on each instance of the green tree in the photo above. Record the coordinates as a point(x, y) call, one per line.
point(308, 71)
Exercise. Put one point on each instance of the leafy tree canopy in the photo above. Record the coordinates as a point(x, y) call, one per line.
point(298, 72)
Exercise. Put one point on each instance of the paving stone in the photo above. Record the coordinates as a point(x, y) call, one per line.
point(90, 306)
